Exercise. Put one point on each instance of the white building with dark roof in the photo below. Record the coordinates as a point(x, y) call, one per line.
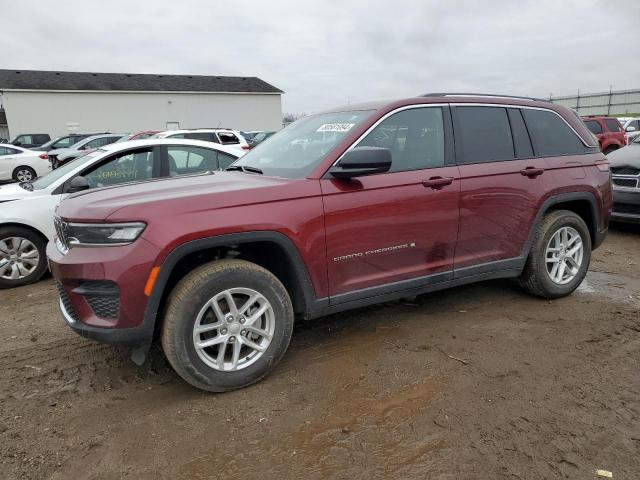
point(61, 102)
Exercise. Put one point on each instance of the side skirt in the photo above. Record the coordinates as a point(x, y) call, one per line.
point(370, 296)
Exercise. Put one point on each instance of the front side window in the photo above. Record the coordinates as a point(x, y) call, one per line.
point(184, 160)
point(613, 124)
point(485, 134)
point(64, 142)
point(124, 167)
point(415, 138)
point(550, 134)
point(594, 126)
point(23, 140)
point(303, 145)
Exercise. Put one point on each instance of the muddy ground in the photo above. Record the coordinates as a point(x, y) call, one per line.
point(478, 382)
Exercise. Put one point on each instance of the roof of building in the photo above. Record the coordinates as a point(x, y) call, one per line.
point(129, 82)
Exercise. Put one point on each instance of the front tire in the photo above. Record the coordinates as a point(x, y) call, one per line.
point(559, 257)
point(22, 256)
point(227, 325)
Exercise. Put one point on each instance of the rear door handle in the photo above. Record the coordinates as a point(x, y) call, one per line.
point(532, 172)
point(437, 183)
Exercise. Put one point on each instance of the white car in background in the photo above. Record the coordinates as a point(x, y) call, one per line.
point(223, 136)
point(20, 164)
point(27, 208)
point(631, 128)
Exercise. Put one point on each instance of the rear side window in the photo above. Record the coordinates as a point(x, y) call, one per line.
point(613, 125)
point(41, 138)
point(415, 138)
point(550, 134)
point(8, 151)
point(228, 138)
point(521, 141)
point(485, 134)
point(594, 126)
point(185, 160)
point(204, 136)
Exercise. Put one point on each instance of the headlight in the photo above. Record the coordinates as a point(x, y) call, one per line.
point(85, 234)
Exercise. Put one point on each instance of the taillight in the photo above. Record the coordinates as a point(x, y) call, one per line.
point(246, 147)
point(43, 156)
point(603, 165)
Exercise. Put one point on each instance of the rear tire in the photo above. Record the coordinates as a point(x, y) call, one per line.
point(200, 323)
point(24, 174)
point(22, 256)
point(558, 235)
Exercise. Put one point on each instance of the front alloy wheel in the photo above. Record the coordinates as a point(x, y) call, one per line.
point(22, 256)
point(234, 329)
point(227, 324)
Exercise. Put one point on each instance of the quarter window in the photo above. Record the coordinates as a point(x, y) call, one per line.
point(550, 134)
point(224, 160)
point(124, 167)
point(485, 134)
point(415, 138)
point(594, 126)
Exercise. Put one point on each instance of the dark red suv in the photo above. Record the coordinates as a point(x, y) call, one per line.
point(341, 209)
point(608, 130)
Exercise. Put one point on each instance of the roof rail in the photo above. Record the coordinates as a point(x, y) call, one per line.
point(489, 95)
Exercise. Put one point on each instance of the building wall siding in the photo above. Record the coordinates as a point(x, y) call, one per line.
point(58, 113)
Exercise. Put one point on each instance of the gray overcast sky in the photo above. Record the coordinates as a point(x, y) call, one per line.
point(327, 53)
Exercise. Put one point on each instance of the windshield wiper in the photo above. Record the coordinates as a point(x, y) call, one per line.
point(245, 168)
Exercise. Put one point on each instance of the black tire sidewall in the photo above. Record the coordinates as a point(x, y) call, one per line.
point(187, 311)
point(39, 243)
point(567, 219)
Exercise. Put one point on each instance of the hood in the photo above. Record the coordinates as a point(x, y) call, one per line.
point(13, 191)
point(178, 196)
point(629, 155)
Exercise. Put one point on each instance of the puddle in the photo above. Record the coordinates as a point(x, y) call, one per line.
point(612, 286)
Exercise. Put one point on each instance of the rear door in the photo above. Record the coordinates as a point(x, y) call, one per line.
point(501, 183)
point(400, 225)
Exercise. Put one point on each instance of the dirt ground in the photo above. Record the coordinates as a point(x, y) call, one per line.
point(477, 382)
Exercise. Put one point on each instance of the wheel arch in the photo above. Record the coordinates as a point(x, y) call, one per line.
point(272, 250)
point(27, 227)
point(583, 204)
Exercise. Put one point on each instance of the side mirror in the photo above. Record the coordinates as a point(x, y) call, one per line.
point(17, 143)
point(631, 129)
point(362, 161)
point(78, 184)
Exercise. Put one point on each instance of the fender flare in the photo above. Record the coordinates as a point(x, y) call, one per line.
point(596, 234)
point(166, 268)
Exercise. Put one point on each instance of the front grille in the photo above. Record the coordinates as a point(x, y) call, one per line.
point(103, 296)
point(66, 302)
point(61, 231)
point(625, 182)
point(626, 208)
point(625, 170)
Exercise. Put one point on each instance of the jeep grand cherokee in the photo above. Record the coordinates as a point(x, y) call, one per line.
point(342, 209)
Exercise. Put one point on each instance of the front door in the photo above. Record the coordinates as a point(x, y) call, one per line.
point(401, 225)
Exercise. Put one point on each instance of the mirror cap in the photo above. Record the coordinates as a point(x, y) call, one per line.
point(362, 161)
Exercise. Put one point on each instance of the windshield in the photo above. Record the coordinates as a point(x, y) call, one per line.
point(48, 179)
point(295, 151)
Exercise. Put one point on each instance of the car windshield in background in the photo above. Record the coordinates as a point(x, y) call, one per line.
point(295, 151)
point(61, 171)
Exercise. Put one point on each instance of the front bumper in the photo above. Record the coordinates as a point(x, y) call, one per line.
point(102, 290)
point(626, 206)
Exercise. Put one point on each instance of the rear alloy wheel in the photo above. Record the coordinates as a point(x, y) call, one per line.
point(226, 325)
point(559, 257)
point(22, 257)
point(24, 174)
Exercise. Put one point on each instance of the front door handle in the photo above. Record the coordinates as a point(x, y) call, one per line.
point(532, 172)
point(437, 183)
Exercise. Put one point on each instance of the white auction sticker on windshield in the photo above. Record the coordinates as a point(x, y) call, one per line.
point(335, 127)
